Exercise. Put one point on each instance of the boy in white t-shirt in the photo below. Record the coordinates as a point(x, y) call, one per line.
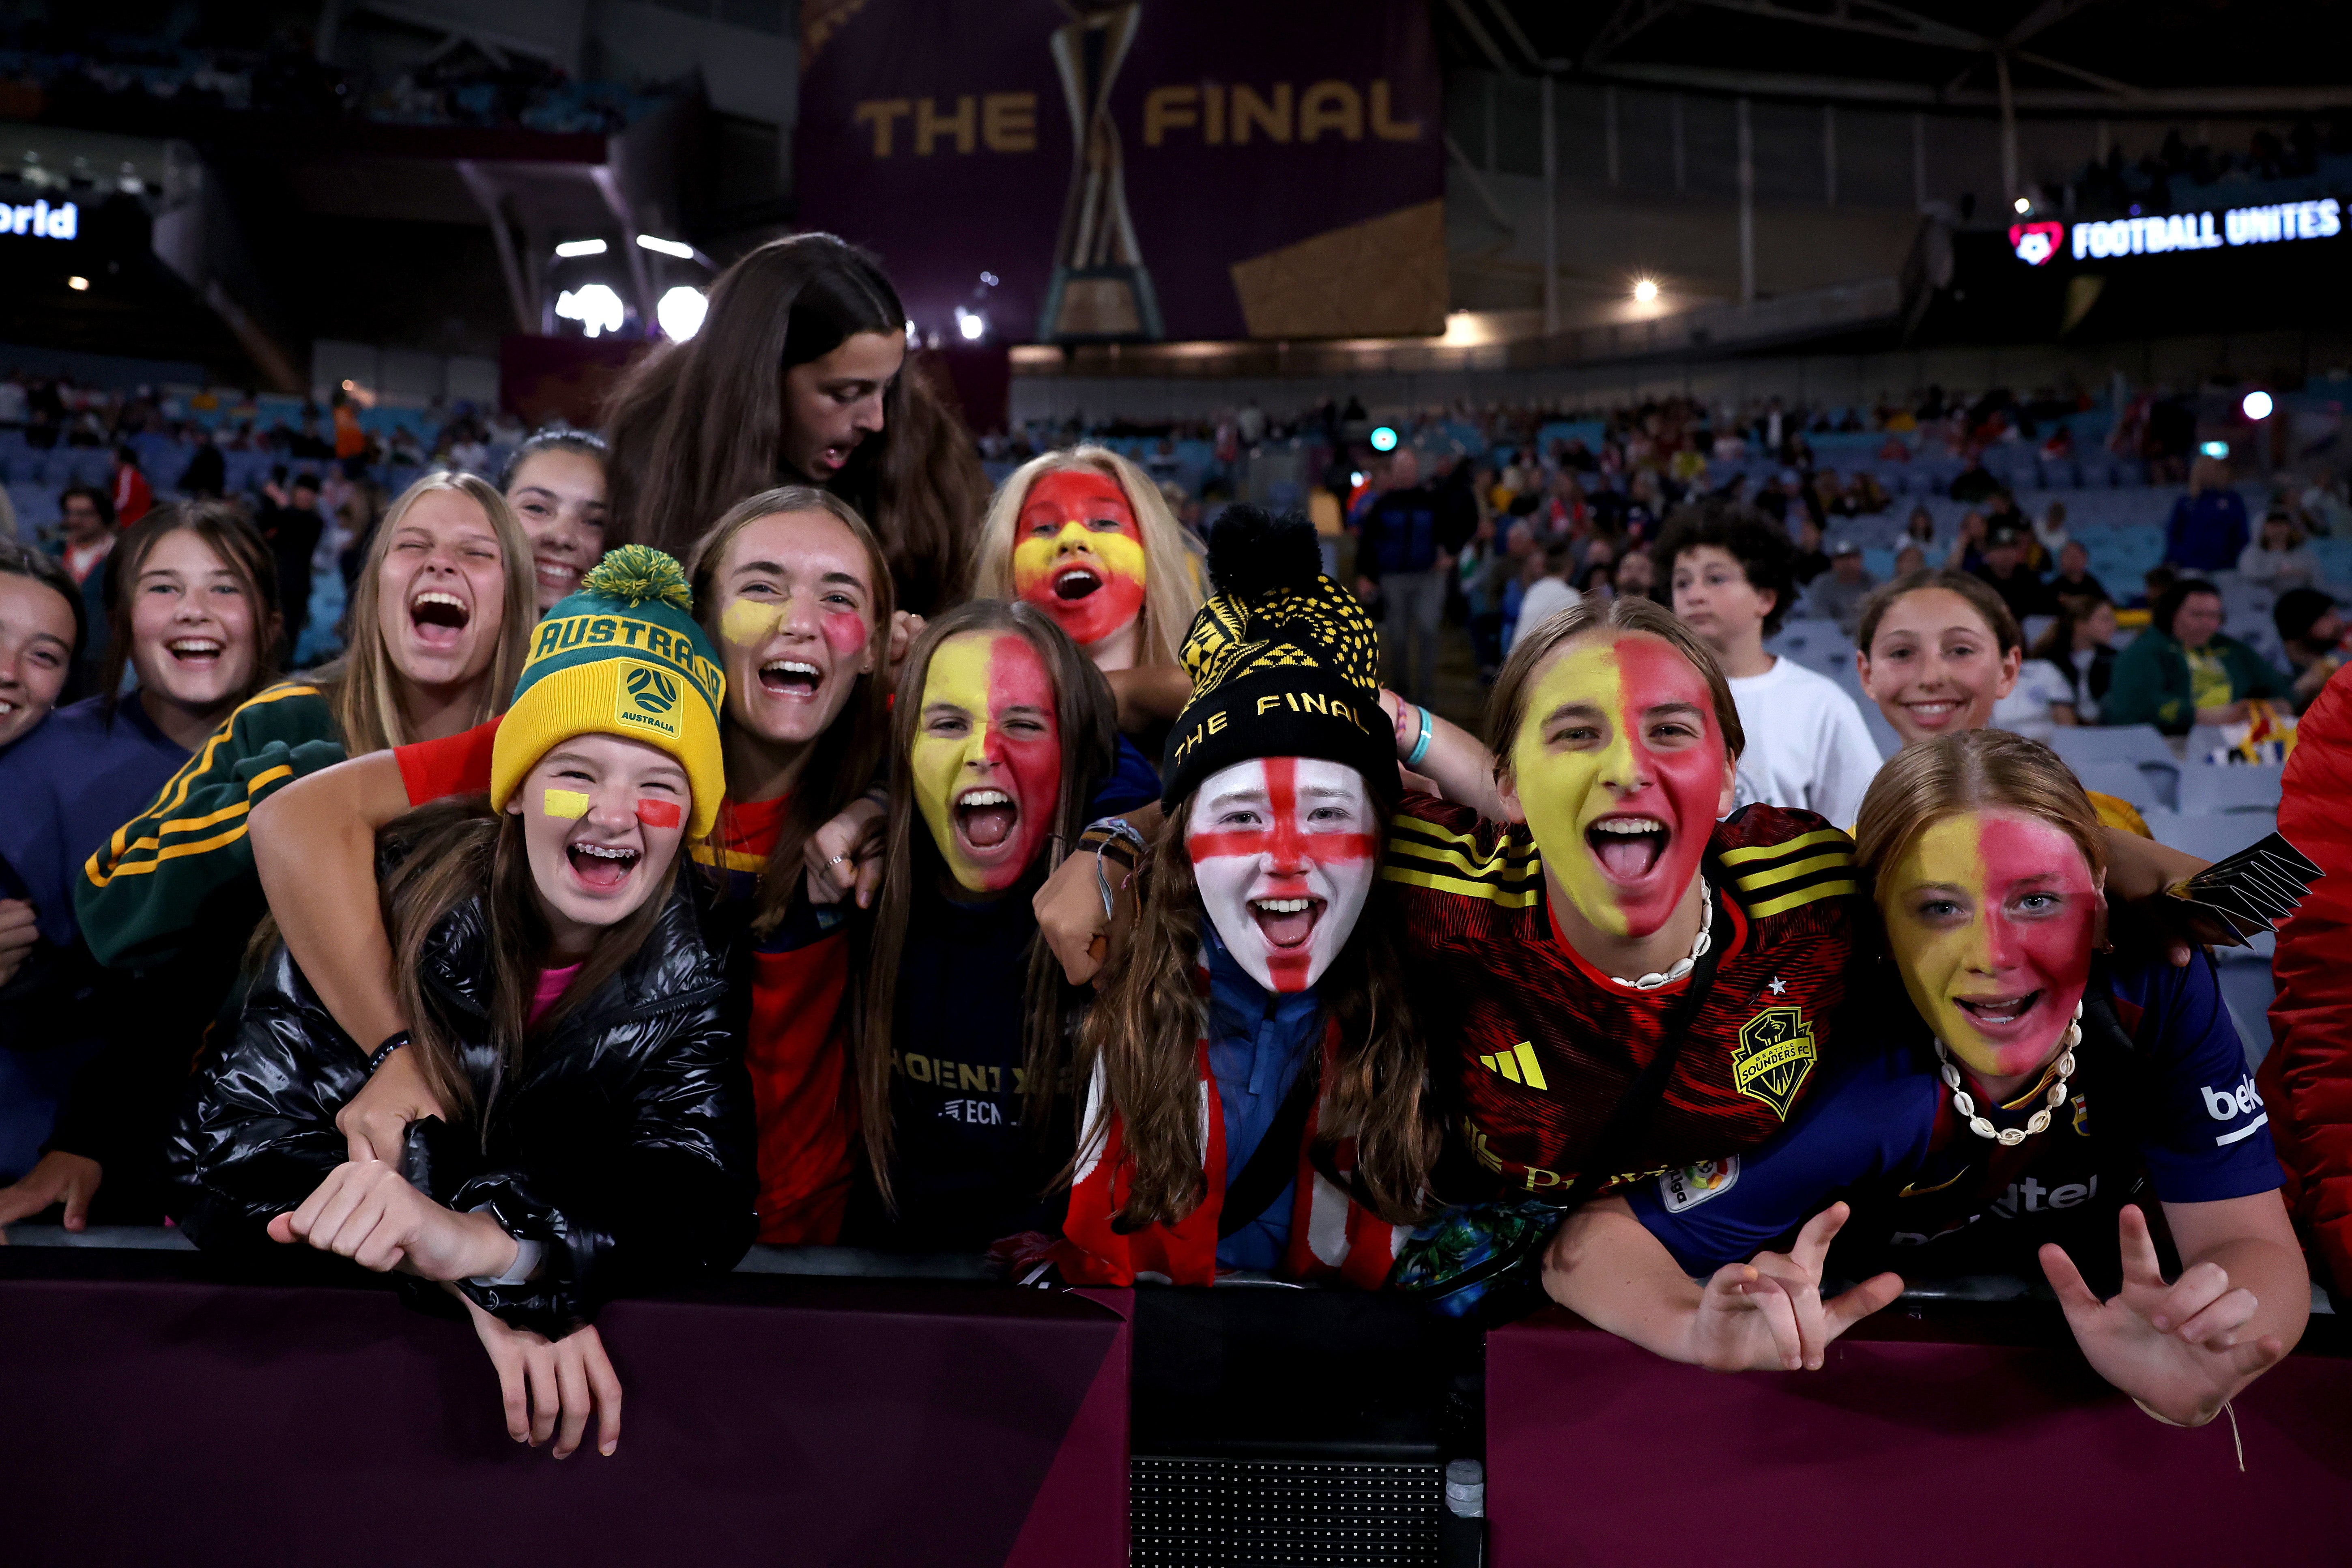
point(1732, 571)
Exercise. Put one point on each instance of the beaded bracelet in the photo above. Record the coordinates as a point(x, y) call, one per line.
point(383, 1052)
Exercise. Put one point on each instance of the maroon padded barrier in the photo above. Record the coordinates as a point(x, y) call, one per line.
point(1910, 1450)
point(193, 1423)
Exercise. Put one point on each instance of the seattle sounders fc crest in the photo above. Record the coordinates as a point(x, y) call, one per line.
point(1774, 1055)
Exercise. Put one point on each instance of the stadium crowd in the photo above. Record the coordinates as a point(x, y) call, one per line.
point(761, 820)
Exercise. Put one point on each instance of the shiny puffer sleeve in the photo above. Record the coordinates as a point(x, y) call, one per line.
point(678, 1199)
point(257, 1133)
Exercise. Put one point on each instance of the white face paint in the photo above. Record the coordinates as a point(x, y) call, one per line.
point(1283, 849)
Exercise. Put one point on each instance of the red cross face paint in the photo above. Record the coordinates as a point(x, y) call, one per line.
point(987, 758)
point(1078, 554)
point(1991, 916)
point(1283, 851)
point(1619, 771)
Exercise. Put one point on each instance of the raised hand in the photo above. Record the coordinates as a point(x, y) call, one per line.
point(2174, 1348)
point(550, 1387)
point(1768, 1315)
point(844, 855)
point(366, 1212)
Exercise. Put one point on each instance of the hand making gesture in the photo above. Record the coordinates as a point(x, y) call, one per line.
point(1767, 1314)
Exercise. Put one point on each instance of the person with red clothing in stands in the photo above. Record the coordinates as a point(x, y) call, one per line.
point(132, 494)
point(798, 596)
point(2306, 1083)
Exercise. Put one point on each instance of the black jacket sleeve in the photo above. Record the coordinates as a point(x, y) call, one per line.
point(678, 1199)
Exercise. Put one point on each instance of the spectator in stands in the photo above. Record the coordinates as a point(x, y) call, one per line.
point(1919, 528)
point(1808, 747)
point(440, 621)
point(2019, 587)
point(290, 522)
point(2155, 584)
point(1407, 538)
point(2051, 536)
point(1967, 554)
point(1003, 735)
point(848, 413)
point(40, 639)
point(2208, 529)
point(1304, 1049)
point(1838, 594)
point(2312, 635)
point(1910, 559)
point(1809, 561)
point(1991, 874)
point(195, 618)
point(1637, 575)
point(2306, 1080)
point(1598, 578)
point(2279, 560)
point(2070, 670)
point(564, 1004)
point(207, 476)
point(2184, 671)
point(555, 482)
point(132, 494)
point(1550, 593)
point(2323, 504)
point(2074, 579)
point(351, 441)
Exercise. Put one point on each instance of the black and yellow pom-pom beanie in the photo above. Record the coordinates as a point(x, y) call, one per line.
point(1283, 661)
point(622, 656)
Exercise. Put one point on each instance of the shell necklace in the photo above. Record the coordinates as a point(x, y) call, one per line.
point(2010, 1137)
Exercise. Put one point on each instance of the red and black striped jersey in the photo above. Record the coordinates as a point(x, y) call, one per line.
point(1531, 1047)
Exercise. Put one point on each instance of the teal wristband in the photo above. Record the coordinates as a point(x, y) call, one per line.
point(1421, 747)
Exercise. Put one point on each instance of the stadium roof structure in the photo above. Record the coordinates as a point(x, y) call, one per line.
point(2095, 56)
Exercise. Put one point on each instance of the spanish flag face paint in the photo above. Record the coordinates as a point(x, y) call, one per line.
point(987, 758)
point(1991, 916)
point(1078, 554)
point(1619, 770)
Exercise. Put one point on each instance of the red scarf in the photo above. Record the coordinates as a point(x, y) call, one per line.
point(1330, 1233)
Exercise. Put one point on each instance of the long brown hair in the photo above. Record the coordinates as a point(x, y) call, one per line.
point(695, 427)
point(241, 549)
point(364, 687)
point(844, 759)
point(1144, 1032)
point(1087, 717)
point(1172, 564)
point(1920, 785)
point(455, 850)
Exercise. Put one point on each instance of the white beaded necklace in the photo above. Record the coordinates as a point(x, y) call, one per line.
point(1699, 945)
point(2010, 1137)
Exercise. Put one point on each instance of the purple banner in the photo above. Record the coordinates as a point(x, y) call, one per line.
point(1146, 170)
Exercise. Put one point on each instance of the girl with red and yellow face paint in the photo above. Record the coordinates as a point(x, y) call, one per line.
point(987, 757)
point(1992, 915)
point(1619, 770)
point(1078, 554)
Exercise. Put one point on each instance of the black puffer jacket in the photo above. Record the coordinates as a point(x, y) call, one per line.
point(623, 1143)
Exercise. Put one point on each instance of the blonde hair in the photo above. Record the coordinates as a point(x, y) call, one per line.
point(1171, 567)
point(1506, 705)
point(1923, 785)
point(363, 687)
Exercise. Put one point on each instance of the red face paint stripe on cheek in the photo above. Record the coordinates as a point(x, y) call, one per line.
point(845, 632)
point(660, 813)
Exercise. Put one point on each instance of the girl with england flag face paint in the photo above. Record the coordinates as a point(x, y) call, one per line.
point(1283, 851)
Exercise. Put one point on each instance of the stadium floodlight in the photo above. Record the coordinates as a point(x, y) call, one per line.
point(2215, 449)
point(2023, 205)
point(970, 324)
point(680, 312)
point(1645, 289)
point(595, 307)
point(574, 248)
point(78, 284)
point(1384, 440)
point(2257, 405)
point(677, 248)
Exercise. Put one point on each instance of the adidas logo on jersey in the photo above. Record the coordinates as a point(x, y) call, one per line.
point(1517, 1064)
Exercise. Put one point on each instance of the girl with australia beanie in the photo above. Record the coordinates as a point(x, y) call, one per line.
point(562, 1001)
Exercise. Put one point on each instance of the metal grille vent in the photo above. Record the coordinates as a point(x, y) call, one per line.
point(1238, 1513)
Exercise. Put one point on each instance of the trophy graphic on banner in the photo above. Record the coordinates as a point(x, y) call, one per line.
point(1100, 286)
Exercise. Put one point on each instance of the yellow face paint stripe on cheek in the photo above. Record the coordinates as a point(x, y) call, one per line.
point(1556, 789)
point(749, 621)
point(958, 676)
point(568, 803)
point(1946, 853)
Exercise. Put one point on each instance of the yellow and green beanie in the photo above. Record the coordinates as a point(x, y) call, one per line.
point(623, 656)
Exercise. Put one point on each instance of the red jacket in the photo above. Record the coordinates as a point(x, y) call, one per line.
point(2306, 1081)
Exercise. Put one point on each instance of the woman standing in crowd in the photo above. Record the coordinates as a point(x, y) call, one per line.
point(1266, 966)
point(555, 483)
point(564, 1006)
point(2183, 671)
point(796, 591)
point(805, 338)
point(2035, 1068)
point(1085, 536)
point(440, 622)
point(1001, 735)
point(194, 613)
